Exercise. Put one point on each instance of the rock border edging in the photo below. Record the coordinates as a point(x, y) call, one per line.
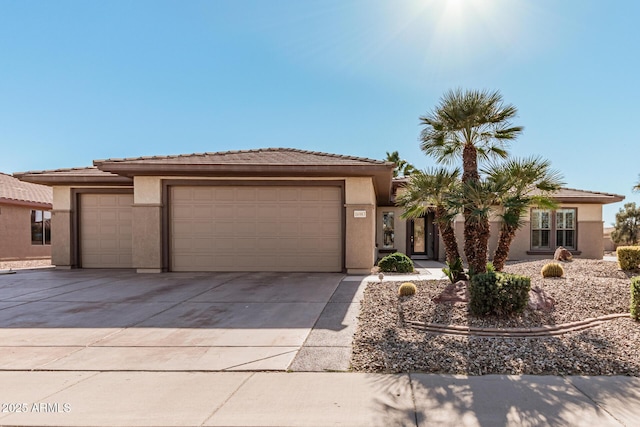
point(541, 331)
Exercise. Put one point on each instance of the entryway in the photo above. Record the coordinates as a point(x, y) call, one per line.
point(422, 237)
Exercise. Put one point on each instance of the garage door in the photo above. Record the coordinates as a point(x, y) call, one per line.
point(256, 228)
point(105, 230)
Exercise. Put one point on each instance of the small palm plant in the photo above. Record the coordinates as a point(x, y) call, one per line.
point(519, 184)
point(433, 190)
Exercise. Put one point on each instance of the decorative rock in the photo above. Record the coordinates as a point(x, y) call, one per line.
point(562, 254)
point(539, 300)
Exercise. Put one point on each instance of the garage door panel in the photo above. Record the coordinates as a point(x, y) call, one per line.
point(289, 228)
point(311, 194)
point(246, 194)
point(248, 212)
point(291, 194)
point(289, 212)
point(202, 195)
point(267, 210)
point(268, 195)
point(268, 228)
point(105, 225)
point(223, 211)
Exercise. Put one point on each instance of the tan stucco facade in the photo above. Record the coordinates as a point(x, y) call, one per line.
point(15, 232)
point(590, 242)
point(148, 252)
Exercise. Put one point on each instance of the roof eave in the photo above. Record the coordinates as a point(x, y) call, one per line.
point(25, 203)
point(603, 200)
point(54, 180)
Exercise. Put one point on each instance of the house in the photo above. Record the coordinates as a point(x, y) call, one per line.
point(274, 209)
point(576, 224)
point(25, 220)
point(609, 244)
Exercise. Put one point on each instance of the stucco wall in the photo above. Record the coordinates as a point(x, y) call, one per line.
point(360, 233)
point(590, 242)
point(15, 235)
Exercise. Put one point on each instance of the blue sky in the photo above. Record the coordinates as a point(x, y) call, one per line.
point(89, 80)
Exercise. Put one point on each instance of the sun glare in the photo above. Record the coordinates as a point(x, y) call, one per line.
point(455, 32)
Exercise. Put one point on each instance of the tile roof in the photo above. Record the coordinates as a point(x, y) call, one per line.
point(85, 171)
point(262, 156)
point(577, 196)
point(14, 190)
point(566, 195)
point(86, 175)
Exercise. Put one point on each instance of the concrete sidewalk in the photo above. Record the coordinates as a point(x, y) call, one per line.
point(313, 399)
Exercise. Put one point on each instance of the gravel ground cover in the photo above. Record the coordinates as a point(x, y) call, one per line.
point(590, 288)
point(6, 265)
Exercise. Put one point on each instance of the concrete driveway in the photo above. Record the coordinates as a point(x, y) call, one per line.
point(119, 320)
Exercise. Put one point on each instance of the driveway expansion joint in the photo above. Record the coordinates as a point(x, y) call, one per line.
point(534, 332)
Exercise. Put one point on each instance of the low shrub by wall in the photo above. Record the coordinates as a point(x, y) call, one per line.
point(635, 298)
point(628, 257)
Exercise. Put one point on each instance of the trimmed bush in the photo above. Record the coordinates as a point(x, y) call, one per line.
point(552, 269)
point(635, 298)
point(396, 262)
point(628, 257)
point(407, 289)
point(498, 293)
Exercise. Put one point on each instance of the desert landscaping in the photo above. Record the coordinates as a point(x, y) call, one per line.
point(389, 339)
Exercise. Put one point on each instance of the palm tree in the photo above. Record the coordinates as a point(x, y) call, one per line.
point(519, 184)
point(403, 168)
point(470, 125)
point(431, 190)
point(637, 186)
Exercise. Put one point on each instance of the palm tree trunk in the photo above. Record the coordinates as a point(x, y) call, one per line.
point(471, 229)
point(470, 163)
point(507, 234)
point(479, 263)
point(448, 235)
point(470, 237)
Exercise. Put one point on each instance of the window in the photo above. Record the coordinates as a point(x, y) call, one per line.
point(388, 230)
point(40, 227)
point(551, 229)
point(540, 229)
point(566, 228)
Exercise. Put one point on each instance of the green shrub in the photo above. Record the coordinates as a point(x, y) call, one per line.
point(635, 297)
point(454, 271)
point(396, 262)
point(498, 293)
point(490, 267)
point(552, 269)
point(407, 289)
point(628, 257)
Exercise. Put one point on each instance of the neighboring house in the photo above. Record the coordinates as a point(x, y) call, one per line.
point(275, 209)
point(25, 220)
point(609, 244)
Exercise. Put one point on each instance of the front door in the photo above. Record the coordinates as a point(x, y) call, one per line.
point(421, 237)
